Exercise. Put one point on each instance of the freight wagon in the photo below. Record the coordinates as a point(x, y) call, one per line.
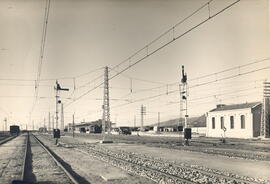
point(14, 130)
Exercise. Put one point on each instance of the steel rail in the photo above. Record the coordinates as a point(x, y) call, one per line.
point(207, 173)
point(56, 160)
point(7, 140)
point(183, 180)
point(26, 152)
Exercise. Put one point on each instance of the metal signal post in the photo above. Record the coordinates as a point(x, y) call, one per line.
point(183, 107)
point(183, 99)
point(57, 89)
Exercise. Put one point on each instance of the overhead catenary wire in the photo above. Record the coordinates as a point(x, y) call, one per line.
point(201, 77)
point(90, 113)
point(140, 90)
point(163, 34)
point(197, 85)
point(138, 79)
point(159, 48)
point(42, 49)
point(174, 39)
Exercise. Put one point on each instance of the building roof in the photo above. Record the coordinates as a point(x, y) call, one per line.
point(223, 107)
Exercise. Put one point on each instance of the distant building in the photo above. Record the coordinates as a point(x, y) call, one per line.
point(87, 127)
point(237, 121)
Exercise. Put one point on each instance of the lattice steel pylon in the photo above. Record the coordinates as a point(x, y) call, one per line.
point(183, 88)
point(106, 104)
point(143, 112)
point(265, 127)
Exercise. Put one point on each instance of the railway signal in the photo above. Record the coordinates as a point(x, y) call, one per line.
point(57, 89)
point(183, 87)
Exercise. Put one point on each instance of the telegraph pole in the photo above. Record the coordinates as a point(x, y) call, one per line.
point(52, 121)
point(158, 121)
point(134, 121)
point(106, 105)
point(73, 125)
point(5, 120)
point(49, 122)
point(143, 112)
point(62, 117)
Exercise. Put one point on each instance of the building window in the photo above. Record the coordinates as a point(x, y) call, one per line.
point(221, 122)
point(243, 122)
point(213, 123)
point(232, 122)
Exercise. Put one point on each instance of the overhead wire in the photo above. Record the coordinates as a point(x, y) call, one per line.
point(42, 49)
point(197, 85)
point(159, 48)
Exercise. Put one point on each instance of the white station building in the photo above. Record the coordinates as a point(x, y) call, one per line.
point(235, 121)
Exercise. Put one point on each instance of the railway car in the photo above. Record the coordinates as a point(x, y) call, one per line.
point(14, 130)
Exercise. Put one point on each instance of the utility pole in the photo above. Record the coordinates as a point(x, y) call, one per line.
point(134, 121)
point(73, 125)
point(53, 122)
point(265, 127)
point(5, 120)
point(158, 121)
point(143, 112)
point(44, 126)
point(33, 125)
point(106, 105)
point(49, 122)
point(62, 117)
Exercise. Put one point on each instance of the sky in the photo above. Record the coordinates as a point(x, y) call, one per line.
point(84, 36)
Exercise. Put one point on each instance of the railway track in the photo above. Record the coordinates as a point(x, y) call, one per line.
point(42, 166)
point(12, 156)
point(3, 141)
point(164, 172)
point(151, 173)
point(160, 170)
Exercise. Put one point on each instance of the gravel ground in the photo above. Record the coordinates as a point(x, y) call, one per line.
point(11, 160)
point(44, 168)
point(241, 167)
point(193, 172)
point(89, 168)
point(251, 168)
point(234, 148)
